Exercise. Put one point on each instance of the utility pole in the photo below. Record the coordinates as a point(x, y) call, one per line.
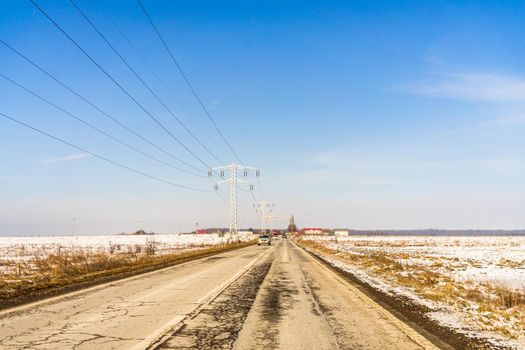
point(73, 228)
point(264, 208)
point(234, 169)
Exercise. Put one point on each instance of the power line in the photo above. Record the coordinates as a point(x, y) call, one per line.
point(142, 81)
point(252, 192)
point(218, 193)
point(74, 92)
point(187, 80)
point(101, 157)
point(155, 74)
point(233, 182)
point(254, 197)
point(120, 86)
point(93, 126)
point(261, 189)
point(263, 207)
point(221, 197)
point(194, 91)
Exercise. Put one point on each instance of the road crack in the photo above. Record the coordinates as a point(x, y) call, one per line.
point(218, 325)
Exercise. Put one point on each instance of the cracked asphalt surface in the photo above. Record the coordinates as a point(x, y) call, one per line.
point(303, 305)
point(218, 324)
point(122, 314)
point(276, 297)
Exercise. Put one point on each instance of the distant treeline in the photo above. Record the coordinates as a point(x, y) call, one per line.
point(436, 232)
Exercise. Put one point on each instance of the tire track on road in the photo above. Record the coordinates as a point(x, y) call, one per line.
point(217, 325)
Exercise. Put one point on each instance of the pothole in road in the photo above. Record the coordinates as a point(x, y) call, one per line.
point(218, 325)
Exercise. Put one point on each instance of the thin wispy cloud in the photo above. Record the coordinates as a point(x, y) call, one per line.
point(489, 87)
point(353, 160)
point(432, 57)
point(505, 121)
point(213, 104)
point(510, 165)
point(68, 158)
point(395, 168)
point(320, 177)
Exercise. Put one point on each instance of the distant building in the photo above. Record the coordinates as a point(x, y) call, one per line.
point(210, 230)
point(291, 226)
point(341, 232)
point(312, 231)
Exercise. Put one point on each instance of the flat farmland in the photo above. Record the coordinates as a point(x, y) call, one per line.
point(33, 266)
point(17, 251)
point(473, 285)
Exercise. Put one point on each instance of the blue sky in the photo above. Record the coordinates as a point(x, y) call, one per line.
point(359, 114)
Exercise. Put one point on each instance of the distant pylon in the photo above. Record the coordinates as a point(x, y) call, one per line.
point(271, 219)
point(233, 181)
point(263, 207)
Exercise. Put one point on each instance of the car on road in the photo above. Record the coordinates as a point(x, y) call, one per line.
point(264, 239)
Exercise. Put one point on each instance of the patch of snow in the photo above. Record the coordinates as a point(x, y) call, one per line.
point(481, 259)
point(26, 248)
point(476, 259)
point(381, 285)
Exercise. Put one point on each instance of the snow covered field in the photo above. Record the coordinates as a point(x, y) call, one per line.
point(481, 259)
point(13, 249)
point(473, 284)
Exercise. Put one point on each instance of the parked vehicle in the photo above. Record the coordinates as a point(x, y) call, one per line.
point(264, 239)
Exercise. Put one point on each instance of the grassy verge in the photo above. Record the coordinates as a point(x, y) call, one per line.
point(66, 271)
point(485, 306)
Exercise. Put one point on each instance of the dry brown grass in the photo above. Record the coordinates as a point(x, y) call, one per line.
point(508, 297)
point(494, 302)
point(66, 268)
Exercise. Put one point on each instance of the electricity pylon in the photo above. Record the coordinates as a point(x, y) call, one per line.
point(233, 181)
point(271, 219)
point(264, 208)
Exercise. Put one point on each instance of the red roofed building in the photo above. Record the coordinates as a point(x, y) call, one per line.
point(312, 231)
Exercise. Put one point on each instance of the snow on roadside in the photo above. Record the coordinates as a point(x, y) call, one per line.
point(25, 248)
point(381, 285)
point(477, 258)
point(480, 259)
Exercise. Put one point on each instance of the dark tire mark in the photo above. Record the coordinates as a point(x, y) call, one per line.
point(277, 298)
point(218, 325)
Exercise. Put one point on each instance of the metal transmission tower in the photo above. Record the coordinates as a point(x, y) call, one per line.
point(234, 169)
point(271, 219)
point(264, 208)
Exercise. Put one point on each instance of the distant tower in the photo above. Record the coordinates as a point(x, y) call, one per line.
point(292, 227)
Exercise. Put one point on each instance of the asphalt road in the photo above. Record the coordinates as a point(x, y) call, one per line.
point(276, 297)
